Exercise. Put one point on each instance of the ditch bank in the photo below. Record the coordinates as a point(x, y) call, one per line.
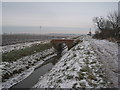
point(23, 67)
point(33, 78)
point(33, 74)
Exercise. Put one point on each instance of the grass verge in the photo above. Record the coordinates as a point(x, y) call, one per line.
point(16, 54)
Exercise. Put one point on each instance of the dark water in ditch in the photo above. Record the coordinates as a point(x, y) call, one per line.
point(31, 80)
point(34, 77)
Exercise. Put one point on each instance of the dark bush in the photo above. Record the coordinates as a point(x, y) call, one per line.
point(107, 27)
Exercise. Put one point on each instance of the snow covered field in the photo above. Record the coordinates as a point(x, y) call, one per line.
point(9, 48)
point(83, 67)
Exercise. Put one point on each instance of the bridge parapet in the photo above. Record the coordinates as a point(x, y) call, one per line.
point(56, 42)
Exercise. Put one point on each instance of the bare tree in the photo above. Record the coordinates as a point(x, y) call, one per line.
point(108, 27)
point(113, 19)
point(99, 22)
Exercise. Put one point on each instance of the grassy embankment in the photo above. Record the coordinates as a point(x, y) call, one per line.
point(16, 54)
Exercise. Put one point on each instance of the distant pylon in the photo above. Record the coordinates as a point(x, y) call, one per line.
point(90, 32)
point(40, 28)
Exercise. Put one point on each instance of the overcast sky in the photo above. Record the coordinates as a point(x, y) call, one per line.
point(59, 14)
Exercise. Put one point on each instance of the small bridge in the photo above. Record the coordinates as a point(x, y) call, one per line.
point(59, 44)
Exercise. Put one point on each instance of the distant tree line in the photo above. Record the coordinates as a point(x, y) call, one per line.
point(107, 27)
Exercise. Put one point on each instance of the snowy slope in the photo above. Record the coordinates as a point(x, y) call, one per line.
point(23, 67)
point(80, 67)
point(108, 54)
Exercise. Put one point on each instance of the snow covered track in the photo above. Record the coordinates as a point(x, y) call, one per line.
point(78, 68)
point(108, 54)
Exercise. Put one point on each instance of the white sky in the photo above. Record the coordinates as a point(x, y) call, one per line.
point(60, 0)
point(54, 14)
